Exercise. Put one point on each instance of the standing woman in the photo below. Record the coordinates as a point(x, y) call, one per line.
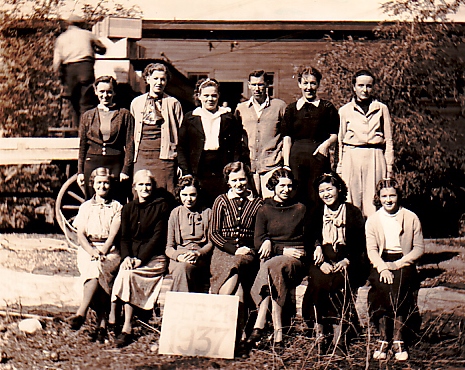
point(366, 153)
point(106, 139)
point(340, 264)
point(143, 242)
point(310, 127)
point(394, 244)
point(280, 242)
point(209, 138)
point(188, 245)
point(157, 119)
point(97, 223)
point(233, 266)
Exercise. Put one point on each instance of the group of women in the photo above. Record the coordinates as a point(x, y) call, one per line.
point(222, 238)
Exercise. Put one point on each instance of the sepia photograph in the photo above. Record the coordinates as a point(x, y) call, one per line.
point(239, 184)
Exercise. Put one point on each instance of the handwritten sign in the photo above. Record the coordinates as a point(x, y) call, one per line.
point(196, 324)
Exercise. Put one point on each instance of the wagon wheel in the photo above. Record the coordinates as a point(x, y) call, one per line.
point(69, 198)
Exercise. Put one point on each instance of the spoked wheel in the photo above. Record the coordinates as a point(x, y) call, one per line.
point(70, 197)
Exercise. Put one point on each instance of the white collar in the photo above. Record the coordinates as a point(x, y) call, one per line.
point(301, 102)
point(199, 111)
point(231, 195)
point(265, 104)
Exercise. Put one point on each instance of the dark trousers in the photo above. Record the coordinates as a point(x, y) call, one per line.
point(77, 82)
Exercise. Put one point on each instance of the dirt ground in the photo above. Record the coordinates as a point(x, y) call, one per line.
point(439, 344)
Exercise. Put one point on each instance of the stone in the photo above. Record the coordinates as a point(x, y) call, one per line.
point(30, 326)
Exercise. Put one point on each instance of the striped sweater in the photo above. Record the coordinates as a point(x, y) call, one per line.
point(233, 222)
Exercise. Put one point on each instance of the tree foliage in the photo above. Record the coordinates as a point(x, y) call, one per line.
point(29, 89)
point(418, 69)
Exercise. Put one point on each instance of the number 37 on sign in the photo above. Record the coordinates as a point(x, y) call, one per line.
point(197, 324)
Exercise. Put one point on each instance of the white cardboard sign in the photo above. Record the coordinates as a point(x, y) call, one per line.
point(196, 324)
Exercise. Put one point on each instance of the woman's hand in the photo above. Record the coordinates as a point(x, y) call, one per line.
point(136, 262)
point(127, 264)
point(95, 255)
point(123, 176)
point(341, 265)
point(386, 277)
point(265, 249)
point(80, 179)
point(188, 257)
point(242, 251)
point(323, 149)
point(318, 256)
point(293, 252)
point(326, 268)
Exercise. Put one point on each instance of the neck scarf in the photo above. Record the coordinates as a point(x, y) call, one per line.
point(334, 226)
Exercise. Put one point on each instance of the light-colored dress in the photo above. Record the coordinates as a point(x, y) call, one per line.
point(188, 231)
point(96, 220)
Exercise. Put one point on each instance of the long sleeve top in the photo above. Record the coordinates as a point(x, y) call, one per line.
point(233, 222)
point(120, 142)
point(411, 240)
point(143, 229)
point(188, 230)
point(282, 224)
point(371, 129)
point(192, 141)
point(171, 112)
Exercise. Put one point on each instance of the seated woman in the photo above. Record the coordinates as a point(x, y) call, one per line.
point(339, 268)
point(97, 222)
point(143, 242)
point(233, 265)
point(394, 244)
point(188, 245)
point(279, 239)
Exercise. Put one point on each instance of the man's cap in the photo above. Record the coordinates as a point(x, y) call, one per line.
point(75, 19)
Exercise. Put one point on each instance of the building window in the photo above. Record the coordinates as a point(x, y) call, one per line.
point(270, 81)
point(196, 76)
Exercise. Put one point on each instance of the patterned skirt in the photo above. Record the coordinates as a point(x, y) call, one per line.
point(141, 286)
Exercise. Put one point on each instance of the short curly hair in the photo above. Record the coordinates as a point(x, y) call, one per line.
point(184, 182)
point(279, 173)
point(334, 179)
point(100, 171)
point(384, 184)
point(235, 167)
point(203, 83)
point(152, 67)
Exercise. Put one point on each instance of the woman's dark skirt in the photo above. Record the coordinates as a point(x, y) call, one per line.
point(279, 274)
point(306, 168)
point(163, 170)
point(397, 299)
point(119, 191)
point(210, 176)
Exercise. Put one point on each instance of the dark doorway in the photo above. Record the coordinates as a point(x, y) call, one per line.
point(231, 93)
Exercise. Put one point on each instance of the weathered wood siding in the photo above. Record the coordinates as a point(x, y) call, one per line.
point(280, 57)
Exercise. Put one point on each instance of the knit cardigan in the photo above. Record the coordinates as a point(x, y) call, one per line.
point(411, 240)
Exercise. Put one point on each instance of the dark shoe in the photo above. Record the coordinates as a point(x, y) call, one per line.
point(241, 350)
point(255, 337)
point(123, 339)
point(76, 322)
point(101, 335)
point(113, 329)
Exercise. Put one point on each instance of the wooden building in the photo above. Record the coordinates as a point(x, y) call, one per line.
point(229, 50)
point(226, 50)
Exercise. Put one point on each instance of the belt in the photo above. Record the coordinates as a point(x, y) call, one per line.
point(367, 146)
